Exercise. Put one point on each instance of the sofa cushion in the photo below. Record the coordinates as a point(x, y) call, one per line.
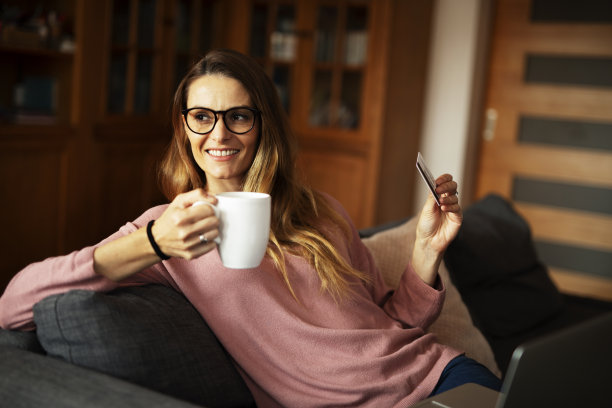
point(150, 335)
point(30, 380)
point(392, 250)
point(495, 266)
point(21, 340)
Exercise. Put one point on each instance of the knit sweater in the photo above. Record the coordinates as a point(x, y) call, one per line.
point(369, 350)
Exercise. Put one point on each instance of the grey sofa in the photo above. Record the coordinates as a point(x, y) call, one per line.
point(148, 347)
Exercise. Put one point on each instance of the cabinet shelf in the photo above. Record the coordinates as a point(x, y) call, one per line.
point(21, 132)
point(16, 50)
point(338, 65)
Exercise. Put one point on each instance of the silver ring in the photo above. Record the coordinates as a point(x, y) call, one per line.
point(203, 239)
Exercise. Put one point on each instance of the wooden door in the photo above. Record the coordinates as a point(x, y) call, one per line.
point(547, 134)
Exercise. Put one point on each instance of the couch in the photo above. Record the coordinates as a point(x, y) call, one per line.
point(147, 346)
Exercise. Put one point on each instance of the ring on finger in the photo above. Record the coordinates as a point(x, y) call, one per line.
point(203, 239)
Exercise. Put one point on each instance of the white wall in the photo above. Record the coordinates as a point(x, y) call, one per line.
point(449, 90)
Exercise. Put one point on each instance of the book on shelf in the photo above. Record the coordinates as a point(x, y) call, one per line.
point(356, 47)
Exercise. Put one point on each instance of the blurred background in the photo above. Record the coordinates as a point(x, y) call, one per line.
point(512, 97)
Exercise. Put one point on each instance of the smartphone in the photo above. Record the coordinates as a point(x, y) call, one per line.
point(427, 177)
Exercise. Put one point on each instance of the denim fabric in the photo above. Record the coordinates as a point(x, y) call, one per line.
point(462, 370)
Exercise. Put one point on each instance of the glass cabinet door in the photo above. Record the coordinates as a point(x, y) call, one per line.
point(340, 51)
point(335, 36)
point(37, 49)
point(132, 56)
point(273, 42)
point(194, 33)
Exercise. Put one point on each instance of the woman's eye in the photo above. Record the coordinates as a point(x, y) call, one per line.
point(203, 116)
point(238, 116)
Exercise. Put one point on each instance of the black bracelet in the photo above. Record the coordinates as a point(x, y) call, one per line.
point(158, 251)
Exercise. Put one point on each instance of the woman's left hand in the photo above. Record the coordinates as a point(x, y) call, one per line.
point(436, 228)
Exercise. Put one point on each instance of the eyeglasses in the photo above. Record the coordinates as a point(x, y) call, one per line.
point(237, 120)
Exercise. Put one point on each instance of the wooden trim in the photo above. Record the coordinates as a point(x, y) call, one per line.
point(37, 133)
point(156, 103)
point(554, 100)
point(553, 163)
point(106, 50)
point(566, 39)
point(569, 227)
point(375, 86)
point(478, 99)
point(581, 285)
point(196, 27)
point(76, 103)
point(303, 77)
point(335, 145)
point(132, 57)
point(232, 36)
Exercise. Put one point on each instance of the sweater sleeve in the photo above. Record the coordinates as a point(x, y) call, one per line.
point(63, 273)
point(414, 303)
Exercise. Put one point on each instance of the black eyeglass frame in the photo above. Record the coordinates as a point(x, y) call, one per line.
point(256, 113)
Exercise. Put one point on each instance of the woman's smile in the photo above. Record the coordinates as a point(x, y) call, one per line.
point(222, 153)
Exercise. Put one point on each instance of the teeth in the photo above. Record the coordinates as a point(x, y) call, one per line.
point(221, 153)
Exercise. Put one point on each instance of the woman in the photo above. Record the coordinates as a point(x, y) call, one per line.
point(314, 324)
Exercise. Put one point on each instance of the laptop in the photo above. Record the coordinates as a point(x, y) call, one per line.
point(570, 368)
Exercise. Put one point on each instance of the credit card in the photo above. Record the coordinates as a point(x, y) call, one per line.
point(427, 177)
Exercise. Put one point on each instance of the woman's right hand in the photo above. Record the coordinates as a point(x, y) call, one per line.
point(186, 230)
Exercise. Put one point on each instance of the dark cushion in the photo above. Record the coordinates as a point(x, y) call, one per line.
point(494, 264)
point(151, 336)
point(21, 340)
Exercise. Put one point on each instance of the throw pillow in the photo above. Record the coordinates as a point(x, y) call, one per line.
point(149, 335)
point(495, 266)
point(392, 250)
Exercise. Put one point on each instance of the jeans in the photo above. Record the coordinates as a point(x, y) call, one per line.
point(462, 370)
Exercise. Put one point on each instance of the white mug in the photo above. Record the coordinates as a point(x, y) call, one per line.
point(244, 229)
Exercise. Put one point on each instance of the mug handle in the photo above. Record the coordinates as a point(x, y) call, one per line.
point(215, 209)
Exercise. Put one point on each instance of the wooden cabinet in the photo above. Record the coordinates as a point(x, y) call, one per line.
point(350, 74)
point(84, 105)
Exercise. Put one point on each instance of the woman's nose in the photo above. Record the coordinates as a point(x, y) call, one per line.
point(220, 132)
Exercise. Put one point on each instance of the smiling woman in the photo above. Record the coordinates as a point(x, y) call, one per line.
point(317, 292)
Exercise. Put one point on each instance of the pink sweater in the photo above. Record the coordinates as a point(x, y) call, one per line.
point(369, 351)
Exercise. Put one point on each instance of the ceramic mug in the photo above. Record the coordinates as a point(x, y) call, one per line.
point(244, 227)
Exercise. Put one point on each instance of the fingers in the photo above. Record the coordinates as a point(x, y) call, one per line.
point(186, 230)
point(446, 188)
point(446, 184)
point(189, 198)
point(438, 226)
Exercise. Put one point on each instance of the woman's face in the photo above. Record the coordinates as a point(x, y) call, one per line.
point(224, 156)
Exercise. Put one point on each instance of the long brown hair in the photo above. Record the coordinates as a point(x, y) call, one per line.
point(296, 209)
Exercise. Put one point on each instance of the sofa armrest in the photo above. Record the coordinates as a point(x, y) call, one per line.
point(32, 380)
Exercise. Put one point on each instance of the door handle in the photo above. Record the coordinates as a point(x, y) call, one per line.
point(488, 132)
